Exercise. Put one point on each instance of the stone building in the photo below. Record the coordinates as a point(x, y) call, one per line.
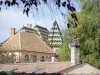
point(27, 44)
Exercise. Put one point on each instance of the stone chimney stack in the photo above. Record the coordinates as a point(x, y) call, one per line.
point(12, 32)
point(75, 52)
point(29, 25)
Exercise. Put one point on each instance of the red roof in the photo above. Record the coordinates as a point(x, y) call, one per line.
point(48, 67)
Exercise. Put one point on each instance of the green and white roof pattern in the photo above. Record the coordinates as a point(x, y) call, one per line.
point(55, 39)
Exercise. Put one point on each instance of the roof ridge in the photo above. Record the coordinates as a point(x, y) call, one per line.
point(41, 27)
point(44, 42)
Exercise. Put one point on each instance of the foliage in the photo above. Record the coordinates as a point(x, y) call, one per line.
point(5, 57)
point(88, 31)
point(64, 51)
point(29, 5)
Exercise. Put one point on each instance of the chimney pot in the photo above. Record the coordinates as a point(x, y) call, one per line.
point(29, 25)
point(12, 32)
point(75, 40)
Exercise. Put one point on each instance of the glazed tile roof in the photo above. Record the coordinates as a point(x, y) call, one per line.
point(27, 41)
point(55, 37)
point(48, 67)
point(41, 27)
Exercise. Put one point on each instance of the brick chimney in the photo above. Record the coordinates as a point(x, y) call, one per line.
point(75, 52)
point(12, 32)
point(29, 25)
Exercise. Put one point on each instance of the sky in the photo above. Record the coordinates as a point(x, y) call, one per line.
point(13, 17)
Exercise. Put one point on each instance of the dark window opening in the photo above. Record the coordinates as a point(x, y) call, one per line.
point(34, 58)
point(42, 58)
point(26, 58)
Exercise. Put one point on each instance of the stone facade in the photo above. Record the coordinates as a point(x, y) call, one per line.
point(31, 56)
point(37, 57)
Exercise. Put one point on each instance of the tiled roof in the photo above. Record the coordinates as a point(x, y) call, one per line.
point(13, 43)
point(41, 27)
point(27, 41)
point(27, 28)
point(48, 67)
point(55, 37)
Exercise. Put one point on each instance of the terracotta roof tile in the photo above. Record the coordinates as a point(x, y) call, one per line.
point(13, 43)
point(48, 67)
point(27, 41)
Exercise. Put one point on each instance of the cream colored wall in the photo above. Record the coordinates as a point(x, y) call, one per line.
point(17, 55)
point(82, 69)
point(39, 55)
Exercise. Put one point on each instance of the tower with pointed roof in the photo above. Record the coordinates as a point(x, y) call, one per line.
point(54, 38)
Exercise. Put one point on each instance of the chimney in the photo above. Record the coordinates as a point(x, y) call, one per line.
point(12, 32)
point(75, 52)
point(29, 25)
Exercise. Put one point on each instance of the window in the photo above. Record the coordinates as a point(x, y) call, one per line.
point(26, 58)
point(47, 58)
point(34, 58)
point(50, 58)
point(42, 58)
